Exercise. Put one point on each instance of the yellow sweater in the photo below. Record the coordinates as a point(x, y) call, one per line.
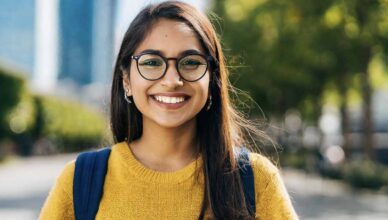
point(132, 191)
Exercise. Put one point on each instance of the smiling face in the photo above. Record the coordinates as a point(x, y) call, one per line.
point(169, 101)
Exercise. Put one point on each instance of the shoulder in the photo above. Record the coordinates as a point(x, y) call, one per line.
point(59, 202)
point(65, 179)
point(265, 173)
point(272, 198)
point(262, 167)
point(267, 177)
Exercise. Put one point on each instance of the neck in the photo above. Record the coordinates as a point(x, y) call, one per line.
point(165, 149)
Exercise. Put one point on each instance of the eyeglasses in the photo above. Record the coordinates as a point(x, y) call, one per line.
point(153, 66)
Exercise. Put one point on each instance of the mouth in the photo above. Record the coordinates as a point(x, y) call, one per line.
point(170, 101)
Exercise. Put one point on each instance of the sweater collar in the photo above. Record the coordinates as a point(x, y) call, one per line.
point(137, 169)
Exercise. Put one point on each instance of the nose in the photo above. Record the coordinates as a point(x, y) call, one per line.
point(172, 79)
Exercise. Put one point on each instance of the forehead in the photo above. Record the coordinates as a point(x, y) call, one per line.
point(171, 38)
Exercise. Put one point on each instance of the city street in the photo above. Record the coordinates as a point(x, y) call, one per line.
point(24, 184)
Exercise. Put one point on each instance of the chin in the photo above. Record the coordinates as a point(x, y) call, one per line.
point(170, 123)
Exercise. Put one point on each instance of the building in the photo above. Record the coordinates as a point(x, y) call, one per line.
point(58, 40)
point(17, 34)
point(86, 40)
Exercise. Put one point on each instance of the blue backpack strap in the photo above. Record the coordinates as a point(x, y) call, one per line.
point(248, 180)
point(89, 177)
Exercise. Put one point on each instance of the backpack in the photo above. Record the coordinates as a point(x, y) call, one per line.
point(89, 177)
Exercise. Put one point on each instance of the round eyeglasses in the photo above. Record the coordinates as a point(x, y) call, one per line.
point(190, 67)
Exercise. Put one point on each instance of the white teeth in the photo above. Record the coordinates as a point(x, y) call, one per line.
point(170, 100)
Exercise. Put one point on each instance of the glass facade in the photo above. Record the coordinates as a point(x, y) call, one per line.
point(17, 18)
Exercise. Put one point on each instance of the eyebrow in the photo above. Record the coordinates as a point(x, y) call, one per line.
point(182, 53)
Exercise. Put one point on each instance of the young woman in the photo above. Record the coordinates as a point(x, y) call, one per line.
point(176, 132)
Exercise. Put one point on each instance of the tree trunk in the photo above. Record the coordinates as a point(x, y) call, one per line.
point(368, 125)
point(362, 10)
point(345, 122)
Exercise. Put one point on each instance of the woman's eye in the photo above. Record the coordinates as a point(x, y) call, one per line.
point(151, 63)
point(191, 62)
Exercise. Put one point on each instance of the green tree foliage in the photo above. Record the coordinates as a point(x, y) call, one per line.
point(283, 69)
point(27, 120)
point(12, 87)
point(70, 125)
point(285, 53)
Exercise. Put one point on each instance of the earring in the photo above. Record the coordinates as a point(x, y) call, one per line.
point(210, 103)
point(126, 97)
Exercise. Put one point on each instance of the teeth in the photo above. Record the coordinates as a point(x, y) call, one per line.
point(170, 100)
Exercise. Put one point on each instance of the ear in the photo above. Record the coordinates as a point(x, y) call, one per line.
point(126, 83)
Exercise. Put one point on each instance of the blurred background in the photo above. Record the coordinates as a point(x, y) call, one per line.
point(316, 71)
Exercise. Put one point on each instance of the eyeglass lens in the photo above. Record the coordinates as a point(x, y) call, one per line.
point(190, 67)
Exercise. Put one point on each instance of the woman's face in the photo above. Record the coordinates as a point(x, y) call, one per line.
point(169, 101)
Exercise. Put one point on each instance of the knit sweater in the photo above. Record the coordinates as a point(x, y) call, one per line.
point(133, 191)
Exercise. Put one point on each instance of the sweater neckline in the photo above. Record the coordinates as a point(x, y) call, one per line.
point(136, 168)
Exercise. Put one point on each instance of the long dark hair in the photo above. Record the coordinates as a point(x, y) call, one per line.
point(220, 130)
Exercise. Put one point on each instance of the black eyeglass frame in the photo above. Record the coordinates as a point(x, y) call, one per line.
point(208, 59)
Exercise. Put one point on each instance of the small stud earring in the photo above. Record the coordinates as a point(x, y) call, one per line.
point(209, 104)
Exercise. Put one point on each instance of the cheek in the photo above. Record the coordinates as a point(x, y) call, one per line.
point(205, 84)
point(203, 89)
point(138, 85)
point(133, 72)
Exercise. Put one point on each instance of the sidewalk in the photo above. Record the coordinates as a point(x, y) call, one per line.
point(317, 198)
point(25, 183)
